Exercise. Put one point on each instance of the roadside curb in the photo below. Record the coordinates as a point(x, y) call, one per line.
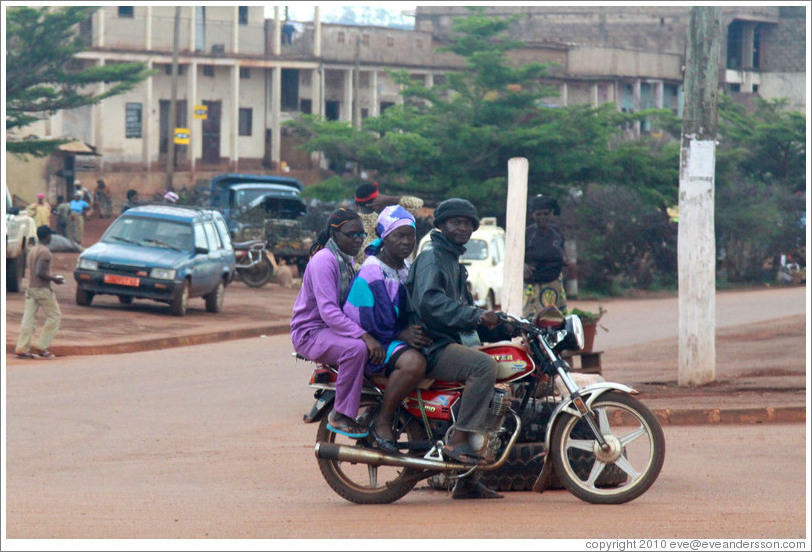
point(718, 416)
point(163, 342)
point(666, 416)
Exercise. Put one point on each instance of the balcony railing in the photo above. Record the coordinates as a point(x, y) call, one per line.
point(213, 37)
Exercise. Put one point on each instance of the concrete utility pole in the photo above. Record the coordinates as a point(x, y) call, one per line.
point(173, 104)
point(516, 216)
point(696, 239)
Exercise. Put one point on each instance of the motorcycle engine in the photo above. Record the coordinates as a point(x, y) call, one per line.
point(501, 401)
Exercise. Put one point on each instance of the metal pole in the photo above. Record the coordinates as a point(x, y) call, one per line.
point(696, 249)
point(173, 104)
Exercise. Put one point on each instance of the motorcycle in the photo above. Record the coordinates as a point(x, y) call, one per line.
point(254, 266)
point(602, 444)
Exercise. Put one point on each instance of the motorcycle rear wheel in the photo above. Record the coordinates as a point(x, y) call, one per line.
point(638, 449)
point(362, 483)
point(257, 275)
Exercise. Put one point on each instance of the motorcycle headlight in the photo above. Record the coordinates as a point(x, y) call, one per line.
point(87, 264)
point(574, 340)
point(162, 273)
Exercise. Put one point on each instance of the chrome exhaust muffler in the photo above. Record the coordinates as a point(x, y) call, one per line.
point(358, 455)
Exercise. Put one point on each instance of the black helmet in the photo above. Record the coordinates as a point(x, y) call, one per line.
point(455, 207)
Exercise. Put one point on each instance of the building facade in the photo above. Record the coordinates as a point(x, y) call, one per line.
point(240, 76)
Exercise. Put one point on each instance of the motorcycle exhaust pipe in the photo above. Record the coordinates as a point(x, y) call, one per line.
point(356, 455)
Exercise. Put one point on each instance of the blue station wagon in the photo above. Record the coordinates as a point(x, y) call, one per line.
point(159, 252)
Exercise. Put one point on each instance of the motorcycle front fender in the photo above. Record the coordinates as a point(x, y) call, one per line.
point(324, 403)
point(589, 394)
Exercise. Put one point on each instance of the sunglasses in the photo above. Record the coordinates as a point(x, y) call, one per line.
point(361, 235)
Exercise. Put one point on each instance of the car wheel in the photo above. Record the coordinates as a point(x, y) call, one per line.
point(125, 299)
point(84, 297)
point(178, 305)
point(214, 300)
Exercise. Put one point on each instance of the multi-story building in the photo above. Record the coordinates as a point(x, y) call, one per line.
point(240, 76)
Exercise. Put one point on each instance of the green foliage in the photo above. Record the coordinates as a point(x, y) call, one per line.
point(761, 163)
point(43, 76)
point(334, 189)
point(455, 139)
point(623, 242)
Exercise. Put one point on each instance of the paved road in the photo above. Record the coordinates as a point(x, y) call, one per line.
point(631, 322)
point(207, 442)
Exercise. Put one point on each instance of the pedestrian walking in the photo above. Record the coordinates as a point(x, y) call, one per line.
point(39, 295)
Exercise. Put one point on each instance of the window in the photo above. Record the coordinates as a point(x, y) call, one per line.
point(168, 69)
point(126, 11)
point(341, 37)
point(365, 39)
point(363, 79)
point(213, 237)
point(245, 72)
point(419, 43)
point(133, 120)
point(390, 41)
point(200, 237)
point(243, 15)
point(246, 119)
point(208, 70)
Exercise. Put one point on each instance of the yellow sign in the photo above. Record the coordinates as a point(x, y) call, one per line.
point(201, 111)
point(182, 135)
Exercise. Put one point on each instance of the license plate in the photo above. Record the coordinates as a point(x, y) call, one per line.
point(121, 280)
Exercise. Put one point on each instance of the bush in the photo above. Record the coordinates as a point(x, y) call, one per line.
point(622, 242)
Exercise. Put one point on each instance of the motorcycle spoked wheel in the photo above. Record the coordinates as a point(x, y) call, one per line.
point(362, 483)
point(637, 448)
point(257, 275)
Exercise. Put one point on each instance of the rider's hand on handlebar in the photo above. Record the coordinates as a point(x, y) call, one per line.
point(489, 318)
point(415, 337)
point(376, 352)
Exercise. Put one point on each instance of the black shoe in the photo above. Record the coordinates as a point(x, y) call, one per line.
point(388, 446)
point(465, 489)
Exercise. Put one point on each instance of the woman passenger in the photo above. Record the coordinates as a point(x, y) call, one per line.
point(319, 329)
point(378, 302)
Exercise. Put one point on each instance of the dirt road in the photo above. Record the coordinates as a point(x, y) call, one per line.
point(207, 442)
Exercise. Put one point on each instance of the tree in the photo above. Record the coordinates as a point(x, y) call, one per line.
point(455, 138)
point(43, 75)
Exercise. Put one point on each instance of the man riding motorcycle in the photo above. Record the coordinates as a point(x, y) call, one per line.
point(443, 306)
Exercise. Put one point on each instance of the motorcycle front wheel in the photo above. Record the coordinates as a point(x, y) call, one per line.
point(636, 448)
point(257, 275)
point(362, 483)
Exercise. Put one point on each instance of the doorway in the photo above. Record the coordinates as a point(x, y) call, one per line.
point(211, 132)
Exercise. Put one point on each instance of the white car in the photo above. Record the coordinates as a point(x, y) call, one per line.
point(484, 258)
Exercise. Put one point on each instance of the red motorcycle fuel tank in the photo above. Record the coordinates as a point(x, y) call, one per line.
point(513, 360)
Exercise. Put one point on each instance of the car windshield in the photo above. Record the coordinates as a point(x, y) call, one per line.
point(475, 250)
point(151, 233)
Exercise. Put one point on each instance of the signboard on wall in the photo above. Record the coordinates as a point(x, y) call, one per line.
point(182, 135)
point(201, 112)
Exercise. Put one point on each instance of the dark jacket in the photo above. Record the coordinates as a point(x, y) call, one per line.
point(544, 252)
point(439, 296)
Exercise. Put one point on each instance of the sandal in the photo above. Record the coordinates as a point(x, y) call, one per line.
point(28, 356)
point(387, 445)
point(347, 427)
point(44, 354)
point(463, 453)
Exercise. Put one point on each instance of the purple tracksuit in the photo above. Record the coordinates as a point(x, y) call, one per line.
point(321, 332)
